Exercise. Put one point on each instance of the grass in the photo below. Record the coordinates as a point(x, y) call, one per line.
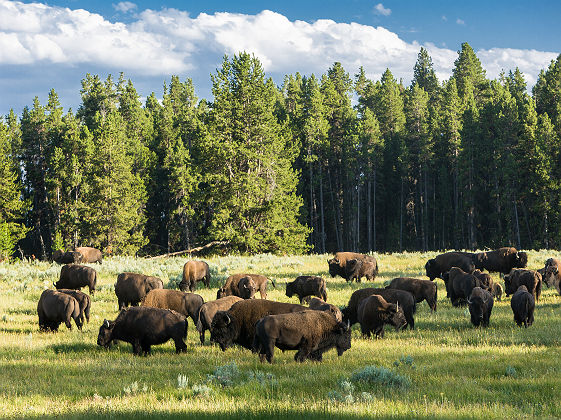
point(451, 369)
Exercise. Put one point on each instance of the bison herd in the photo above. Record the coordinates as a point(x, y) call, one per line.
point(260, 325)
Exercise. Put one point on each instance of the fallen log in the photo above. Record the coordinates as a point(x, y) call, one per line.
point(190, 251)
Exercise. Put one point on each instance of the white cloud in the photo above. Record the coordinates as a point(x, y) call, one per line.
point(168, 41)
point(379, 9)
point(124, 6)
point(444, 18)
point(460, 21)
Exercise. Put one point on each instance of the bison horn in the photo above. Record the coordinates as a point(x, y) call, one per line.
point(106, 323)
point(228, 320)
point(397, 307)
point(54, 284)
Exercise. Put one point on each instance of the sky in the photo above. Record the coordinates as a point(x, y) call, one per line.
point(54, 44)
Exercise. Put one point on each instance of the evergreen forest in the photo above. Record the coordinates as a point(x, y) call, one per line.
point(319, 164)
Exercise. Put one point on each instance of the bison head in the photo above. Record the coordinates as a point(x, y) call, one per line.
point(395, 316)
point(551, 273)
point(290, 290)
point(57, 255)
point(479, 260)
point(104, 337)
point(431, 270)
point(334, 267)
point(246, 287)
point(508, 285)
point(224, 330)
point(151, 283)
point(521, 259)
point(343, 341)
point(476, 310)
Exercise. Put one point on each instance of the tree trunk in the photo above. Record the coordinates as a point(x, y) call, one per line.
point(321, 210)
point(401, 218)
point(335, 213)
point(517, 225)
point(357, 236)
point(374, 213)
point(369, 214)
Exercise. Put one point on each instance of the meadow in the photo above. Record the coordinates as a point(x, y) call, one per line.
point(445, 368)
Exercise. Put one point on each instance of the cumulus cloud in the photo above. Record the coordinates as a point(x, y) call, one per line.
point(379, 9)
point(169, 41)
point(124, 6)
point(460, 21)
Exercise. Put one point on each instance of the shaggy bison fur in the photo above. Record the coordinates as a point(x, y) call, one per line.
point(459, 285)
point(132, 288)
point(551, 273)
point(75, 276)
point(54, 308)
point(374, 312)
point(186, 304)
point(319, 305)
point(305, 286)
point(69, 257)
point(234, 286)
point(529, 278)
point(480, 304)
point(523, 305)
point(311, 333)
point(338, 266)
point(89, 254)
point(503, 260)
point(442, 263)
point(420, 289)
point(209, 309)
point(193, 272)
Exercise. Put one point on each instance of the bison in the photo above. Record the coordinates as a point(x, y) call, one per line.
point(312, 333)
point(497, 291)
point(209, 309)
point(84, 301)
point(54, 308)
point(373, 312)
point(523, 305)
point(75, 276)
point(405, 299)
point(186, 304)
point(338, 266)
point(551, 274)
point(143, 327)
point(193, 272)
point(232, 286)
point(529, 278)
point(131, 288)
point(69, 257)
point(459, 285)
point(89, 254)
point(420, 289)
point(480, 304)
point(237, 325)
point(436, 267)
point(319, 305)
point(503, 260)
point(305, 286)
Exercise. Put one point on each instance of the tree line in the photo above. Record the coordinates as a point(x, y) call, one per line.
point(319, 164)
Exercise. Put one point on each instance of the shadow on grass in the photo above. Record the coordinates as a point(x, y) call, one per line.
point(15, 330)
point(74, 348)
point(22, 311)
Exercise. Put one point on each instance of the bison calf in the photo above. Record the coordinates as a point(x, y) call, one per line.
point(480, 306)
point(523, 305)
point(144, 327)
point(312, 333)
point(305, 286)
point(374, 312)
point(54, 308)
point(132, 288)
point(319, 305)
point(420, 289)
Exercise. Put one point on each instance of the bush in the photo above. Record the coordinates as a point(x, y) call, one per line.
point(374, 375)
point(226, 375)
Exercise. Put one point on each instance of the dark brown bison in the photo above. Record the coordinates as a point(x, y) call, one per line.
point(209, 309)
point(374, 312)
point(131, 288)
point(503, 260)
point(436, 267)
point(497, 291)
point(529, 278)
point(307, 286)
point(485, 280)
point(89, 254)
point(193, 272)
point(319, 305)
point(232, 286)
point(75, 276)
point(523, 305)
point(143, 327)
point(338, 266)
point(480, 304)
point(420, 289)
point(54, 308)
point(69, 257)
point(186, 304)
point(312, 333)
point(459, 285)
point(551, 273)
point(237, 325)
point(84, 301)
point(405, 299)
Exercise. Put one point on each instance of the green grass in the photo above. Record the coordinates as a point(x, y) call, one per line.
point(451, 369)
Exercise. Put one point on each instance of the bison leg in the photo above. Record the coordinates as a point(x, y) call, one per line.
point(304, 350)
point(202, 336)
point(269, 350)
point(136, 347)
point(365, 332)
point(180, 346)
point(121, 304)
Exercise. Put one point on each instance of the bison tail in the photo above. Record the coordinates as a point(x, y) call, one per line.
point(273, 283)
point(199, 324)
point(87, 310)
point(185, 330)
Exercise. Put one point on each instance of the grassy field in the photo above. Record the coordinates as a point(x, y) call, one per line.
point(443, 369)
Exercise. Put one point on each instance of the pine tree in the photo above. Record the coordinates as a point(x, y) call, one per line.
point(424, 75)
point(547, 92)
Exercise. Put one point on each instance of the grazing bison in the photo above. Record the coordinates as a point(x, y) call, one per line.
point(54, 308)
point(312, 333)
point(459, 285)
point(89, 254)
point(497, 291)
point(405, 300)
point(209, 309)
point(374, 312)
point(143, 327)
point(420, 289)
point(305, 286)
point(75, 276)
point(69, 257)
point(503, 260)
point(131, 288)
point(480, 305)
point(551, 274)
point(338, 266)
point(442, 263)
point(237, 325)
point(186, 304)
point(193, 272)
point(485, 280)
point(523, 305)
point(84, 301)
point(529, 278)
point(232, 286)
point(319, 305)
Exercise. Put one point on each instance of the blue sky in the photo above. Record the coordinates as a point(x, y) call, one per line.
point(53, 44)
